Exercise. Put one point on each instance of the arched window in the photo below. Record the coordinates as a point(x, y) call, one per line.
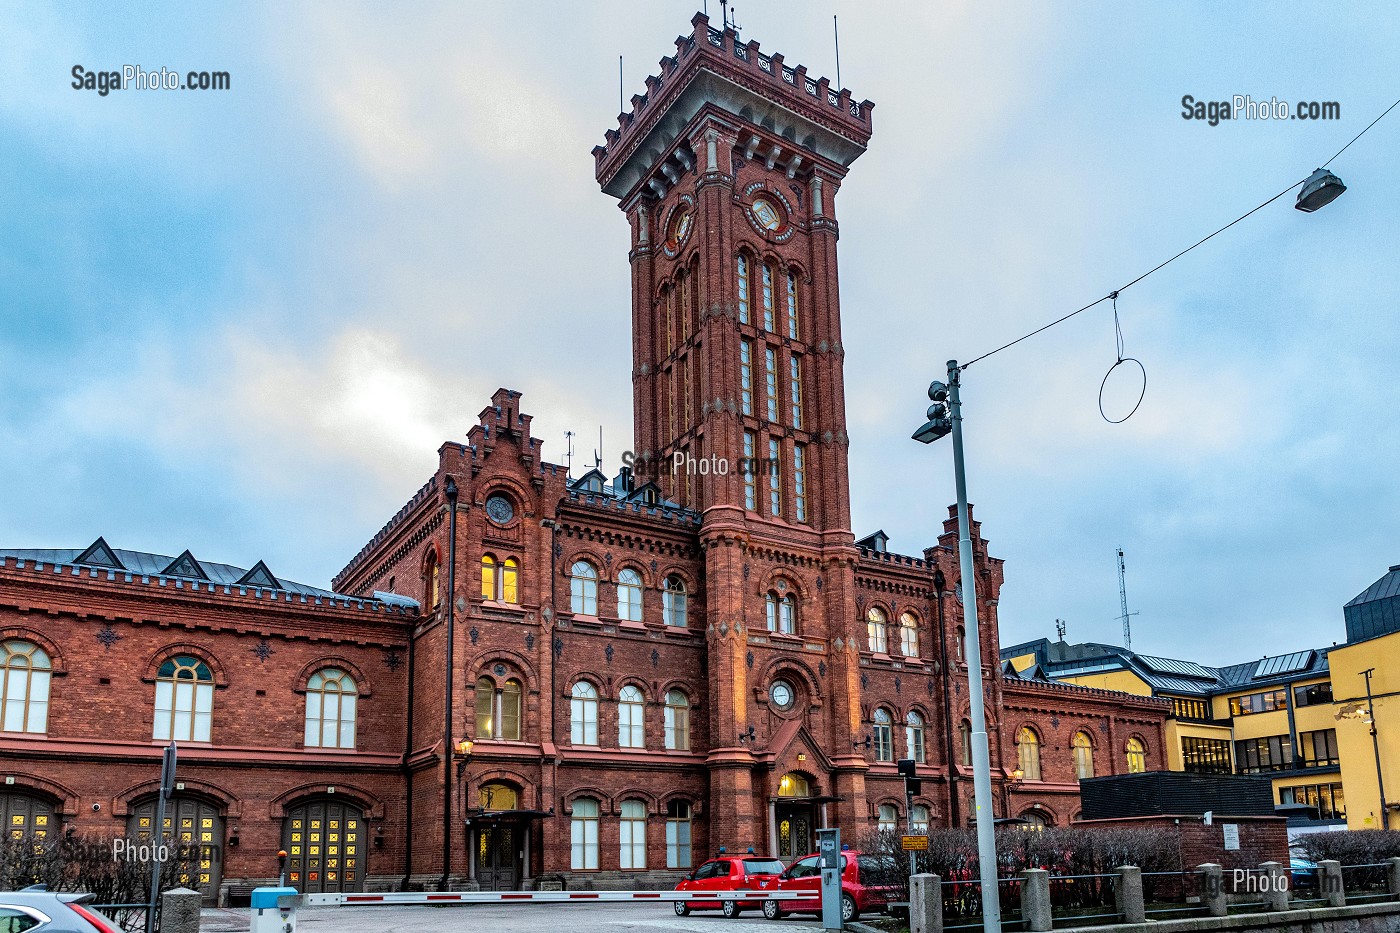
point(583, 589)
point(884, 738)
point(918, 819)
point(184, 700)
point(331, 696)
point(1083, 756)
point(583, 834)
point(1035, 819)
point(485, 709)
point(1137, 756)
point(793, 784)
point(630, 718)
point(767, 297)
point(510, 710)
point(792, 304)
point(914, 736)
point(25, 673)
point(673, 607)
point(743, 270)
point(583, 714)
point(497, 797)
point(1028, 753)
point(876, 630)
point(965, 734)
point(888, 820)
point(909, 635)
point(488, 576)
point(629, 595)
point(510, 581)
point(500, 579)
point(782, 613)
point(677, 721)
point(960, 644)
point(632, 835)
point(678, 834)
point(433, 573)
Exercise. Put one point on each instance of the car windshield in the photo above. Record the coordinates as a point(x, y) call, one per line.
point(763, 866)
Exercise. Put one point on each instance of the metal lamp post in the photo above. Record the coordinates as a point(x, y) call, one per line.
point(944, 417)
point(1376, 746)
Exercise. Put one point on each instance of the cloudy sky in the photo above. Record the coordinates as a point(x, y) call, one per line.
point(242, 322)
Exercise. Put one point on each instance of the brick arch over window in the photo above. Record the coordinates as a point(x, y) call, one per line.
point(605, 802)
point(57, 665)
point(64, 798)
point(632, 680)
point(649, 580)
point(517, 665)
point(194, 651)
point(794, 668)
point(585, 554)
point(696, 801)
point(888, 800)
point(692, 586)
point(687, 688)
point(599, 682)
point(508, 486)
point(500, 775)
point(220, 797)
point(362, 685)
point(768, 583)
point(646, 796)
point(1050, 817)
point(366, 800)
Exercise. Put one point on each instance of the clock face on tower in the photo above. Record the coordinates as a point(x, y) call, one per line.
point(766, 213)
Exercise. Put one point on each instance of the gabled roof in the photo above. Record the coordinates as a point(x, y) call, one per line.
point(185, 566)
point(879, 541)
point(1376, 610)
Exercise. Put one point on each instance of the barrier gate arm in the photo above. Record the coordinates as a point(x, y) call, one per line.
point(540, 897)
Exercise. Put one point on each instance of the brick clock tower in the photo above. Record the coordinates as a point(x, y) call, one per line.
point(727, 169)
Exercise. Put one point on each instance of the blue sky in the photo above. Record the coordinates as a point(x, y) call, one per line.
point(243, 322)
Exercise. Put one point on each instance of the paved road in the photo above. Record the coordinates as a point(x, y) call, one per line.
point(514, 918)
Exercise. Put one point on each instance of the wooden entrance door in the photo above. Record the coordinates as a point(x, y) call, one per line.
point(498, 850)
point(194, 831)
point(23, 815)
point(325, 843)
point(795, 825)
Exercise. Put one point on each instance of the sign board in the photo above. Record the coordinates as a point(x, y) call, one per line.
point(914, 843)
point(1231, 832)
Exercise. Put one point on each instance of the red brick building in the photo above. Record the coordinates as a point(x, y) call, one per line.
point(590, 681)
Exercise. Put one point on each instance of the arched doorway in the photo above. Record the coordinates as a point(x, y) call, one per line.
point(498, 851)
point(795, 816)
point(26, 815)
point(194, 831)
point(325, 843)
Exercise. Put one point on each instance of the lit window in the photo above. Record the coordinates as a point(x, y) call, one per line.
point(914, 736)
point(678, 834)
point(884, 737)
point(793, 784)
point(632, 835)
point(670, 319)
point(25, 673)
point(743, 289)
point(510, 580)
point(684, 308)
point(673, 605)
point(1137, 756)
point(795, 377)
point(500, 579)
point(631, 714)
point(909, 635)
point(583, 714)
point(750, 470)
point(488, 577)
point(1028, 753)
point(184, 700)
point(767, 297)
point(583, 589)
point(799, 481)
point(918, 819)
point(770, 363)
point(583, 833)
point(792, 304)
point(889, 818)
point(746, 375)
point(497, 797)
point(629, 595)
point(677, 721)
point(775, 480)
point(876, 630)
point(1083, 756)
point(330, 709)
point(434, 575)
point(689, 411)
point(485, 709)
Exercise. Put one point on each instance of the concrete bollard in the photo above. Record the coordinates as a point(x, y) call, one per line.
point(179, 911)
point(1275, 884)
point(1392, 877)
point(1329, 883)
point(1036, 911)
point(1213, 889)
point(1127, 895)
point(925, 904)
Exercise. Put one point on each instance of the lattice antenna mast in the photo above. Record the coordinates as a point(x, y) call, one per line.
point(1123, 602)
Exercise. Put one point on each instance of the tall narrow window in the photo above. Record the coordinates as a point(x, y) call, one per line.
point(583, 589)
point(965, 735)
point(876, 631)
point(671, 398)
point(914, 736)
point(750, 471)
point(670, 320)
point(678, 834)
point(673, 605)
point(799, 481)
point(770, 606)
point(330, 709)
point(792, 304)
point(1137, 756)
point(631, 713)
point(677, 717)
point(887, 820)
point(25, 673)
point(1083, 756)
point(510, 711)
point(960, 644)
point(775, 479)
point(787, 615)
point(632, 835)
point(434, 576)
point(767, 297)
point(684, 308)
point(884, 735)
point(583, 832)
point(795, 377)
point(488, 576)
point(629, 595)
point(485, 709)
point(184, 700)
point(918, 819)
point(510, 580)
point(689, 412)
point(1028, 753)
point(743, 289)
point(583, 714)
point(746, 375)
point(770, 363)
point(909, 635)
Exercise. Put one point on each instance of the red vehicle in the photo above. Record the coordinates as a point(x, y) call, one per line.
point(728, 873)
point(862, 889)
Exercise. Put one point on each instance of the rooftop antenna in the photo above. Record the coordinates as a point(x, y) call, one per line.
point(837, 33)
point(620, 107)
point(1060, 628)
point(569, 453)
point(598, 454)
point(1123, 601)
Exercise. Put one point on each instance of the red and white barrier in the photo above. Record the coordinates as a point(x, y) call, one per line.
point(541, 897)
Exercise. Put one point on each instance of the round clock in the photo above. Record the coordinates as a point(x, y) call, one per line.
point(767, 215)
point(499, 509)
point(781, 695)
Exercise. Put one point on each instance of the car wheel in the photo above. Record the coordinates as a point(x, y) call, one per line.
point(682, 908)
point(772, 910)
point(849, 911)
point(731, 909)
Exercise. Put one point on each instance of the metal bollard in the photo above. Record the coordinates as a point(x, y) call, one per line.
point(274, 910)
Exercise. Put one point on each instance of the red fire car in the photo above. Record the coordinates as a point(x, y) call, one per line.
point(728, 873)
point(862, 889)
